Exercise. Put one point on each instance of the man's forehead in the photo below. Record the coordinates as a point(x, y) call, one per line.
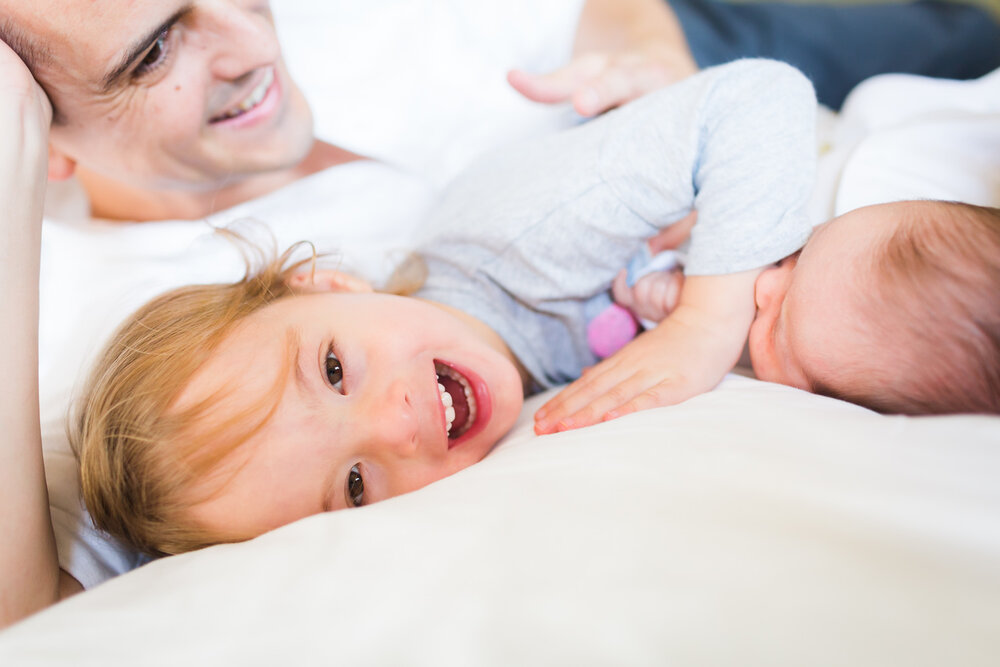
point(86, 36)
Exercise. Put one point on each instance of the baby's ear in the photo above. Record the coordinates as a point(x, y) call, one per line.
point(328, 280)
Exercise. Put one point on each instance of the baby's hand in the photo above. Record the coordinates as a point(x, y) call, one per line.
point(687, 354)
point(596, 82)
point(653, 297)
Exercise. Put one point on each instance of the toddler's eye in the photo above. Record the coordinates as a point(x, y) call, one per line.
point(355, 487)
point(334, 371)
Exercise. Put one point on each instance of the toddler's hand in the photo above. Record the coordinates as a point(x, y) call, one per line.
point(687, 354)
point(596, 82)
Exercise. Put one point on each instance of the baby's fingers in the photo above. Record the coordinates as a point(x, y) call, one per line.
point(620, 290)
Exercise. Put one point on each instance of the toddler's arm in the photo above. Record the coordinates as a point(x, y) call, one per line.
point(29, 569)
point(688, 353)
point(748, 196)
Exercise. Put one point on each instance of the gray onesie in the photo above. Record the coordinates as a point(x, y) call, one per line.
point(524, 237)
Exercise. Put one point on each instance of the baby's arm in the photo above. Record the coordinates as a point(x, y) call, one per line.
point(29, 569)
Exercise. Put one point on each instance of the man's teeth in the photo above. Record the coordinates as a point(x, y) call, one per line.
point(255, 97)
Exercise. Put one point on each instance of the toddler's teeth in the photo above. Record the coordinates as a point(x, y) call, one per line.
point(449, 413)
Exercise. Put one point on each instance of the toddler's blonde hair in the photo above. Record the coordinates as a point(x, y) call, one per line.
point(138, 456)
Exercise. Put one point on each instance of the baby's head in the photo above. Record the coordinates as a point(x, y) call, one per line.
point(893, 306)
point(219, 412)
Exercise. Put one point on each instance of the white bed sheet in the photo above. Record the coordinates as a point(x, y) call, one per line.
point(754, 525)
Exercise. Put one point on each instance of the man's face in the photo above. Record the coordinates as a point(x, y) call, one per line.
point(167, 94)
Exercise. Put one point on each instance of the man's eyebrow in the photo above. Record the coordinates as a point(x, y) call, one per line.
point(139, 47)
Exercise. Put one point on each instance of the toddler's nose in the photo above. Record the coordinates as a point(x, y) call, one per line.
point(393, 424)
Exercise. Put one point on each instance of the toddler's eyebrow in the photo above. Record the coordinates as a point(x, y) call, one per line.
point(295, 349)
point(138, 48)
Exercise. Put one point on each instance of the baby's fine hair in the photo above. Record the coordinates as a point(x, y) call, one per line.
point(936, 310)
point(138, 456)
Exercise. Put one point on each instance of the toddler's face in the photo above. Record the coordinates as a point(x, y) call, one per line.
point(382, 395)
point(808, 327)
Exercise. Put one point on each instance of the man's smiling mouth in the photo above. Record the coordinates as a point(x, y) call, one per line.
point(251, 101)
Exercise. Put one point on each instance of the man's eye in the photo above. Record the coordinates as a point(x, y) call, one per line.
point(334, 371)
point(355, 487)
point(156, 56)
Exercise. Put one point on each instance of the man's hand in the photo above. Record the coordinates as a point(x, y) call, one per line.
point(623, 50)
point(29, 570)
point(687, 354)
point(597, 82)
point(25, 116)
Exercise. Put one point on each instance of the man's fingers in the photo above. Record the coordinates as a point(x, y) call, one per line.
point(610, 89)
point(559, 85)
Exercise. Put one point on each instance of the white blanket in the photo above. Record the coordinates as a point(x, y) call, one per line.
point(756, 525)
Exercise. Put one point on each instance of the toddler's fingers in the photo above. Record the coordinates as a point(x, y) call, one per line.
point(657, 396)
point(608, 379)
point(594, 412)
point(567, 401)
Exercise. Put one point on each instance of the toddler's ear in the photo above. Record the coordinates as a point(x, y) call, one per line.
point(328, 280)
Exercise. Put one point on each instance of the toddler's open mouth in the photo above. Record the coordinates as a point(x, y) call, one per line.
point(458, 399)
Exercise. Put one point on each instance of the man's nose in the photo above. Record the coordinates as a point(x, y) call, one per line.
point(391, 427)
point(243, 40)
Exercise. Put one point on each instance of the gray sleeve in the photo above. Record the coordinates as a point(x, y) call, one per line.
point(527, 235)
point(738, 146)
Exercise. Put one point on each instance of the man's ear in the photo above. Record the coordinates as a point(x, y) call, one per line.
point(328, 280)
point(61, 166)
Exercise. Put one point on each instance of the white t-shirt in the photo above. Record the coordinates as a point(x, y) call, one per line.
point(417, 84)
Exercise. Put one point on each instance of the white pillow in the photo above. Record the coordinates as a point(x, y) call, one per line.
point(756, 524)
